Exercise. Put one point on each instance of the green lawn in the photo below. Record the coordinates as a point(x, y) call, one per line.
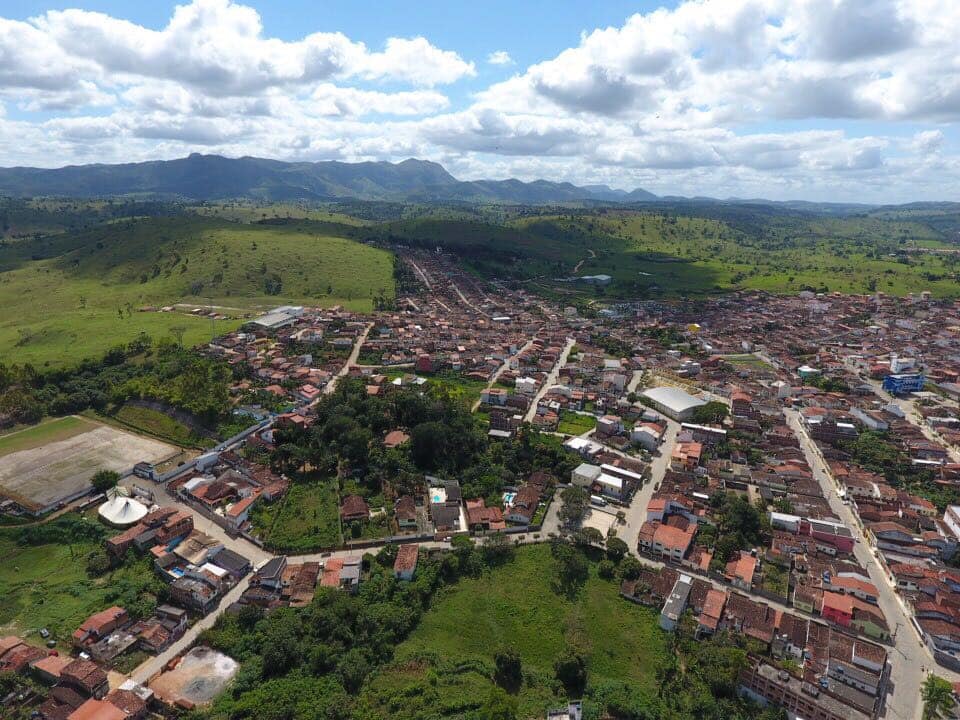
point(78, 294)
point(46, 432)
point(445, 664)
point(307, 519)
point(572, 423)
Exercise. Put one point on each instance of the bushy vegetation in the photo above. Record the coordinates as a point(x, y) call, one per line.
point(878, 452)
point(141, 370)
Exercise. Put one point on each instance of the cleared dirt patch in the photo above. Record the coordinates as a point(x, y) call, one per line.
point(200, 677)
point(42, 476)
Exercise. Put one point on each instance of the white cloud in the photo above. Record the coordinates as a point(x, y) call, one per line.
point(500, 57)
point(710, 97)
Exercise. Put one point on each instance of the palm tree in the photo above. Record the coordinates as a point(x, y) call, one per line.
point(937, 696)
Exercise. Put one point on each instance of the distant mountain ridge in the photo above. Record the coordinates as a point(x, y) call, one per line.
point(213, 177)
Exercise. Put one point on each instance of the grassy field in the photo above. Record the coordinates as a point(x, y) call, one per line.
point(573, 424)
point(444, 666)
point(46, 586)
point(456, 386)
point(84, 296)
point(308, 518)
point(46, 432)
point(747, 360)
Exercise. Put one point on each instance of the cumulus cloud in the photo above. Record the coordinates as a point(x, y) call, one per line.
point(500, 57)
point(711, 96)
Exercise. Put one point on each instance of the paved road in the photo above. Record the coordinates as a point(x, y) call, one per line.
point(910, 659)
point(551, 379)
point(637, 512)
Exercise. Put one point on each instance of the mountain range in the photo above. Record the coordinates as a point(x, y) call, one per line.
point(213, 177)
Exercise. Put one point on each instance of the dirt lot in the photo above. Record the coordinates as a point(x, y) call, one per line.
point(44, 475)
point(200, 677)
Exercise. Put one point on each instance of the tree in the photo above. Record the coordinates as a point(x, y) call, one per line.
point(575, 504)
point(103, 480)
point(606, 569)
point(497, 548)
point(353, 668)
point(616, 549)
point(712, 412)
point(937, 695)
point(572, 567)
point(178, 331)
point(571, 671)
point(588, 536)
point(630, 568)
point(508, 672)
point(498, 706)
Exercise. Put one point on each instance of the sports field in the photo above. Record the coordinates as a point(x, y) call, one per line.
point(54, 461)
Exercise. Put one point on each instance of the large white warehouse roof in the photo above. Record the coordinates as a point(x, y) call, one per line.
point(674, 398)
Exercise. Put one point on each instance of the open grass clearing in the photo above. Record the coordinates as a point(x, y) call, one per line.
point(307, 519)
point(446, 662)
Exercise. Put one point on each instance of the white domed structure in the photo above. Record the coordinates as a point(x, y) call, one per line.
point(120, 510)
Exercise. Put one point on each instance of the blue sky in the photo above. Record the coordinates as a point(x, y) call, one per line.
point(811, 99)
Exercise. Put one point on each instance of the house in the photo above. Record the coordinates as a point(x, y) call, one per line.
point(667, 541)
point(405, 513)
point(837, 608)
point(711, 613)
point(234, 563)
point(94, 709)
point(99, 625)
point(194, 593)
point(270, 574)
point(395, 438)
point(524, 505)
point(686, 456)
point(676, 603)
point(86, 678)
point(354, 508)
point(405, 564)
point(341, 573)
point(481, 517)
point(740, 570)
point(16, 656)
point(50, 667)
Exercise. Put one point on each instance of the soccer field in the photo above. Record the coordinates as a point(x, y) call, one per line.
point(53, 462)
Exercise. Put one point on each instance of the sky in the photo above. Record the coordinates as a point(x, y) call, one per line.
point(825, 100)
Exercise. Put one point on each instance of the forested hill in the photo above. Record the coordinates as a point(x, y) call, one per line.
point(212, 177)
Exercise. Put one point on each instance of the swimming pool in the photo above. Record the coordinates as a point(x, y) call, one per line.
point(508, 498)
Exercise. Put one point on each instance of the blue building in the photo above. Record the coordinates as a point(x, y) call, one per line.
point(904, 383)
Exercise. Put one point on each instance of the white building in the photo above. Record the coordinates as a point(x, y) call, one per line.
point(673, 402)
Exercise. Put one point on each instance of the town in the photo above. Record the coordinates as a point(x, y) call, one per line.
point(782, 468)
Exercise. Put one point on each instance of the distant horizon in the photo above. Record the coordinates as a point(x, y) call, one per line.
point(665, 196)
point(800, 100)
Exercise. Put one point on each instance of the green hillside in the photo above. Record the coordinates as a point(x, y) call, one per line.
point(710, 250)
point(87, 292)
